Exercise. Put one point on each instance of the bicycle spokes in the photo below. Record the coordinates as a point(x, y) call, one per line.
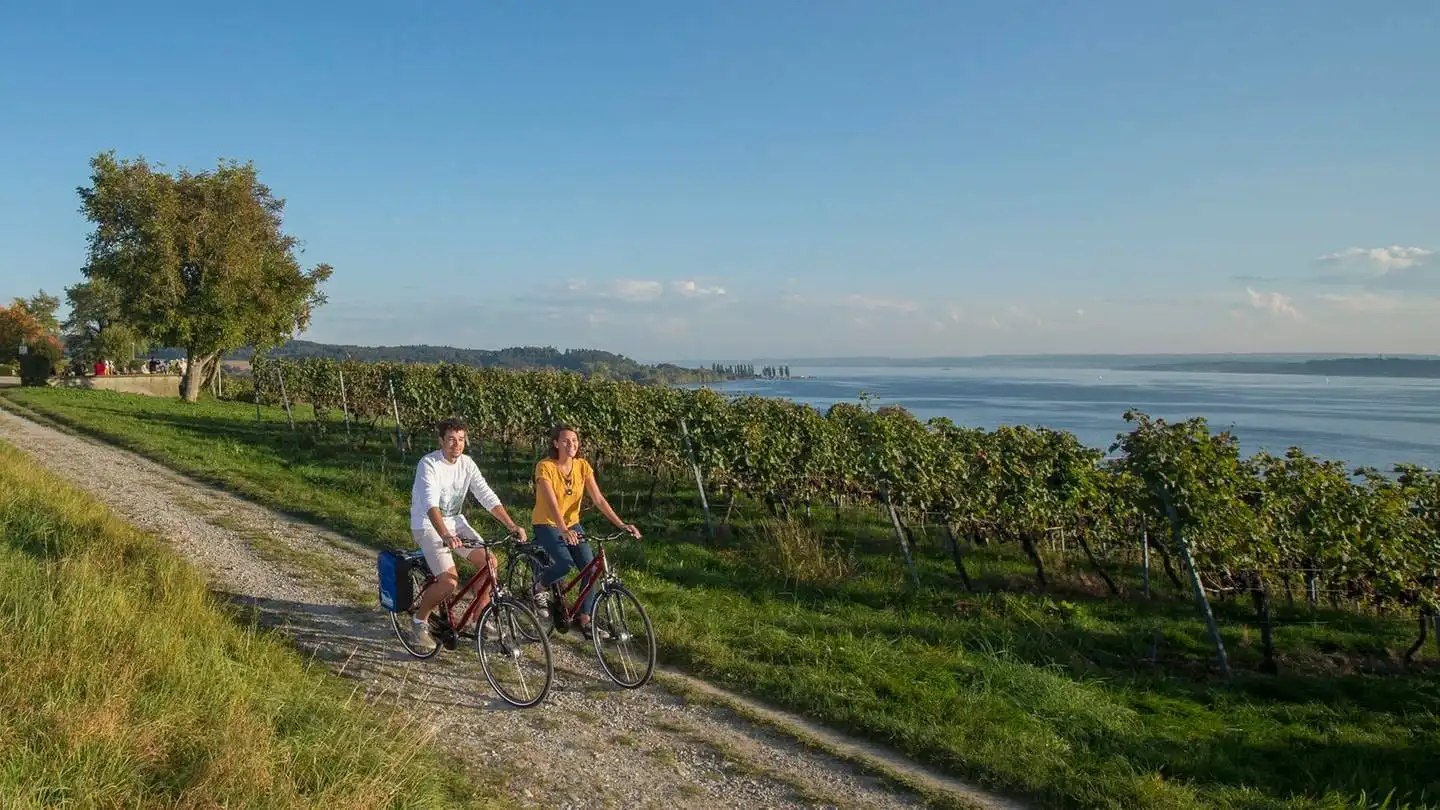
point(623, 638)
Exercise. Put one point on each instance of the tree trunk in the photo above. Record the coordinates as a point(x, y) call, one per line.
point(1165, 559)
point(1260, 592)
point(959, 557)
point(1099, 569)
point(1420, 642)
point(1027, 542)
point(194, 379)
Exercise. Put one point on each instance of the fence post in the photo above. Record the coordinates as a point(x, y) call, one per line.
point(344, 406)
point(1199, 587)
point(395, 408)
point(284, 398)
point(1145, 554)
point(699, 479)
point(889, 506)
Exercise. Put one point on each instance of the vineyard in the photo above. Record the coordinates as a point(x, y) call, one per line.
point(1250, 526)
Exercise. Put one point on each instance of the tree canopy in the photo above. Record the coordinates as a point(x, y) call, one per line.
point(196, 259)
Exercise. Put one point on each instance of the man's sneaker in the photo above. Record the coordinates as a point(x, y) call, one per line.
point(420, 635)
point(541, 597)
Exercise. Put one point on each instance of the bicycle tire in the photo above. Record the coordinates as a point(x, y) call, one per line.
point(514, 611)
point(609, 594)
point(401, 621)
point(522, 570)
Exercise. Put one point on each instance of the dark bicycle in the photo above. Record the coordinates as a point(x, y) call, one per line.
point(513, 649)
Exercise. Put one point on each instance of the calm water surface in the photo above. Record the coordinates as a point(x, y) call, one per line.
point(1362, 421)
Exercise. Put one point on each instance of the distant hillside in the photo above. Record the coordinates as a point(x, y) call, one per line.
point(591, 362)
point(1332, 367)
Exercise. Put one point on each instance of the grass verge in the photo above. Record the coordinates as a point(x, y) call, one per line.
point(1076, 702)
point(123, 683)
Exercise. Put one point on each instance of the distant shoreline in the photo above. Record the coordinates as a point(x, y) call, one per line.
point(1340, 367)
point(1409, 366)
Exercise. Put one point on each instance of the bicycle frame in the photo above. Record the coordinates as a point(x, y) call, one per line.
point(598, 569)
point(481, 582)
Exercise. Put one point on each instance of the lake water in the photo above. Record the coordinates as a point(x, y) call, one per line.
point(1362, 421)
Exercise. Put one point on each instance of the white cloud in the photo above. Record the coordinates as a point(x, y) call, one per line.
point(872, 303)
point(1274, 303)
point(1382, 259)
point(690, 289)
point(639, 290)
point(1391, 268)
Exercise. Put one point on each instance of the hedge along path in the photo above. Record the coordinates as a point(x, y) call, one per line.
point(675, 743)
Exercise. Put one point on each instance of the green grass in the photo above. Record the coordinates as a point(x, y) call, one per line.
point(1068, 699)
point(123, 683)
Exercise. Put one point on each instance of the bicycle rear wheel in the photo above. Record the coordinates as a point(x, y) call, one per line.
point(624, 640)
point(522, 570)
point(514, 652)
point(402, 621)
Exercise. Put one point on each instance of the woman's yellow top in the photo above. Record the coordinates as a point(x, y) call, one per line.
point(569, 489)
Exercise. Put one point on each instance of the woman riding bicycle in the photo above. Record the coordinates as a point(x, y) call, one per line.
point(562, 479)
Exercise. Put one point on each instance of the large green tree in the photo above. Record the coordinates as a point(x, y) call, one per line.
point(197, 260)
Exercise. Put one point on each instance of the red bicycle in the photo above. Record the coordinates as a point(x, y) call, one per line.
point(620, 629)
point(513, 649)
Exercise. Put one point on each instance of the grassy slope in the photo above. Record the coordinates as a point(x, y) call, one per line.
point(122, 684)
point(1017, 691)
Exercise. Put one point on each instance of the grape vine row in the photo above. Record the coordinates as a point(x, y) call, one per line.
point(1375, 536)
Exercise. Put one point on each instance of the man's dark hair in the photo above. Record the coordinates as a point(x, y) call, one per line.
point(452, 423)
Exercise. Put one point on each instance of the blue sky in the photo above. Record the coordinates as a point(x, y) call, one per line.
point(726, 180)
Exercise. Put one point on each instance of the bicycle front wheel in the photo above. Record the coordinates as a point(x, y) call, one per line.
point(514, 652)
point(624, 640)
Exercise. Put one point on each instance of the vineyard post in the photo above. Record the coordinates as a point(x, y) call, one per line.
point(1201, 600)
point(889, 505)
point(344, 406)
point(284, 398)
point(699, 480)
point(395, 408)
point(1145, 554)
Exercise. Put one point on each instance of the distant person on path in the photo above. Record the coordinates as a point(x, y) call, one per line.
point(562, 479)
point(442, 478)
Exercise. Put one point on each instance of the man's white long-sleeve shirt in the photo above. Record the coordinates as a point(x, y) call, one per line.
point(443, 484)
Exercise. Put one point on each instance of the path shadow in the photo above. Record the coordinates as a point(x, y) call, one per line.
point(360, 643)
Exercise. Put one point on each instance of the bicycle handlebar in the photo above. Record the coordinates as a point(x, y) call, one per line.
point(483, 543)
point(513, 538)
point(604, 537)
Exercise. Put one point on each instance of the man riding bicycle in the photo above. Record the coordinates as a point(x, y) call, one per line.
point(442, 478)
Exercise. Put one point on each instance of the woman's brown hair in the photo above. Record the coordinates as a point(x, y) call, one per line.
point(555, 432)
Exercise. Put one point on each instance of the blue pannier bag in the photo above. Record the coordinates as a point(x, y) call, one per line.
point(396, 591)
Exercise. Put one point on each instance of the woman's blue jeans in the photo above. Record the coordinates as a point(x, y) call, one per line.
point(562, 558)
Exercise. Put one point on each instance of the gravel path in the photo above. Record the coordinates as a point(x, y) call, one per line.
point(676, 743)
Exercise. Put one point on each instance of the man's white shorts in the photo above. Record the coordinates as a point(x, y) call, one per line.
point(441, 557)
